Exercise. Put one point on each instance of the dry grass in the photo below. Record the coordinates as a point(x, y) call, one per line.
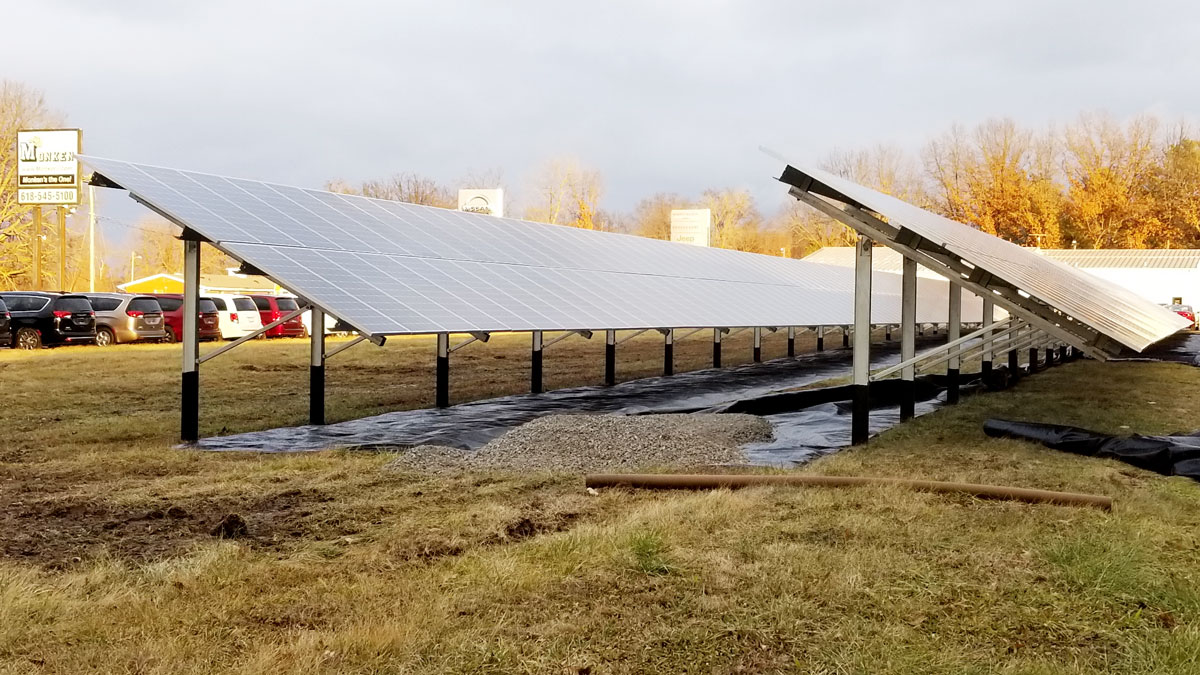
point(350, 569)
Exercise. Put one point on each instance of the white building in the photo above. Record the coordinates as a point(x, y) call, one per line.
point(1159, 275)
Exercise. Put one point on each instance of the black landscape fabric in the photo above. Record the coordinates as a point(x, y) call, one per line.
point(1167, 455)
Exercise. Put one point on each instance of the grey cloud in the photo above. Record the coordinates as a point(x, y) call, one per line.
point(657, 95)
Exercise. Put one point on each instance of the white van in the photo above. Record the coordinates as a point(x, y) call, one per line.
point(239, 315)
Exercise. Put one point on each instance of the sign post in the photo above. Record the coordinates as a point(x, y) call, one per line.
point(48, 175)
point(62, 248)
point(691, 226)
point(37, 248)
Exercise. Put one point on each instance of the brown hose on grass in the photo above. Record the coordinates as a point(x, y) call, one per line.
point(649, 481)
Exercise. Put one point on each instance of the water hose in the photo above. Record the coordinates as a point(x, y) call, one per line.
point(648, 481)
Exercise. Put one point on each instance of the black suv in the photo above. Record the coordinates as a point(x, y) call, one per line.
point(5, 321)
point(49, 318)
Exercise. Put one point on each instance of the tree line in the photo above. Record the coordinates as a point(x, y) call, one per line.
point(1095, 183)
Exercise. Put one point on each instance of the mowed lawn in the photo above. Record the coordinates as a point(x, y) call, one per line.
point(108, 564)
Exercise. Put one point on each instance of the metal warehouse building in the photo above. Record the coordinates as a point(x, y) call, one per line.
point(1159, 275)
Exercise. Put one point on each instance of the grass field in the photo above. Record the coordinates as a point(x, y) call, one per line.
point(107, 563)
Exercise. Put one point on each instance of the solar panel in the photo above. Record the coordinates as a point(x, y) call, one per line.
point(394, 268)
point(1040, 286)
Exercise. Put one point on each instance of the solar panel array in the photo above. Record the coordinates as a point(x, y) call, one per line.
point(1105, 307)
point(389, 267)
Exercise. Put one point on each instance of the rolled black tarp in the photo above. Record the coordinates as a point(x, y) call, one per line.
point(1177, 455)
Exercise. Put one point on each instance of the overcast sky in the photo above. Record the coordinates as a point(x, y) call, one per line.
point(658, 96)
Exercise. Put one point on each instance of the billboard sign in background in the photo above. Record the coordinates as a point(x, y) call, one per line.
point(691, 226)
point(48, 166)
point(489, 202)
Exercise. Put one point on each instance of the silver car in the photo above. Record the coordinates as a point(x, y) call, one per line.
point(124, 317)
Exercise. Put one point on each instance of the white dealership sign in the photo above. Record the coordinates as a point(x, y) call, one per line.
point(691, 226)
point(490, 202)
point(47, 166)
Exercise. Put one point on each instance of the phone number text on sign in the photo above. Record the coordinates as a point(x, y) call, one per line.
point(50, 196)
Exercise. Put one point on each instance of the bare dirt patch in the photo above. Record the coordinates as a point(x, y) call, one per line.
point(56, 530)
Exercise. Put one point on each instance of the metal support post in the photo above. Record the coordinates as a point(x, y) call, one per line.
point(953, 332)
point(1014, 365)
point(610, 357)
point(37, 248)
point(717, 347)
point(845, 336)
point(757, 344)
point(1050, 356)
point(91, 238)
point(861, 358)
point(669, 352)
point(316, 369)
point(791, 341)
point(989, 318)
point(442, 396)
point(535, 364)
point(1062, 353)
point(1033, 359)
point(189, 420)
point(62, 248)
point(820, 338)
point(908, 338)
point(887, 333)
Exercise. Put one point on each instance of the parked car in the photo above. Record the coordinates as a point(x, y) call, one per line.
point(239, 315)
point(5, 321)
point(124, 317)
point(272, 308)
point(172, 305)
point(1185, 311)
point(44, 319)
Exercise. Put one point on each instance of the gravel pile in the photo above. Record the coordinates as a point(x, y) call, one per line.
point(591, 443)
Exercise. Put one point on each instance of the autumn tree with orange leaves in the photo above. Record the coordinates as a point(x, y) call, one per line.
point(1000, 178)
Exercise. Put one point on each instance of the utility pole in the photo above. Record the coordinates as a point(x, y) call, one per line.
point(62, 248)
point(37, 248)
point(91, 239)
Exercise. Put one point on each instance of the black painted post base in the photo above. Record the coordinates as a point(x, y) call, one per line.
point(952, 392)
point(758, 354)
point(1033, 360)
point(1014, 365)
point(860, 423)
point(1062, 354)
point(668, 359)
point(610, 364)
point(792, 346)
point(887, 333)
point(985, 369)
point(189, 420)
point(820, 343)
point(535, 372)
point(716, 354)
point(845, 338)
point(316, 394)
point(1050, 360)
point(442, 397)
point(908, 400)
